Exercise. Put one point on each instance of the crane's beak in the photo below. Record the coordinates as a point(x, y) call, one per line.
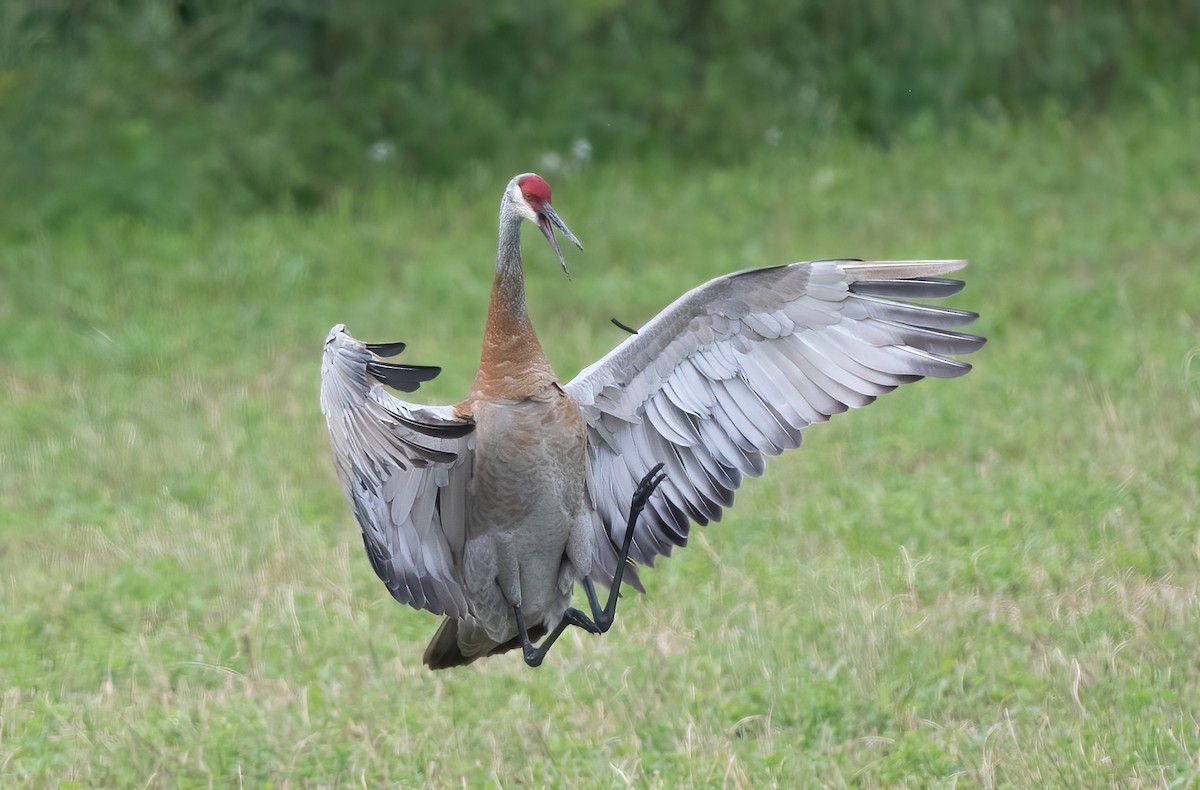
point(548, 220)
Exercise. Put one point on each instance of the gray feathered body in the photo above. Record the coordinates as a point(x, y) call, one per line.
point(527, 541)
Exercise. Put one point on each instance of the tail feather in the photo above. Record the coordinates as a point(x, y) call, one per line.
point(445, 651)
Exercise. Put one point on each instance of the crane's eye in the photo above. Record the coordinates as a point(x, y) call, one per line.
point(528, 197)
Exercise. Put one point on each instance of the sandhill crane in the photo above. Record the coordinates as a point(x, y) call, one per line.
point(490, 511)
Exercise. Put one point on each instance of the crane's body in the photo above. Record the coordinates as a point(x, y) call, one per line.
point(491, 511)
point(528, 543)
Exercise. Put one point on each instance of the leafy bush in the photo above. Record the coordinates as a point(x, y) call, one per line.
point(169, 110)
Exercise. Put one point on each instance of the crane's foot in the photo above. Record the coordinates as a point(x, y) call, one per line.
point(534, 655)
point(605, 615)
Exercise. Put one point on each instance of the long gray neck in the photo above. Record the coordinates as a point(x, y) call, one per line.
point(512, 364)
point(510, 278)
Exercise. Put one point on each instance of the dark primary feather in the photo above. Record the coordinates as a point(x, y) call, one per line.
point(916, 288)
point(405, 378)
point(441, 429)
point(385, 349)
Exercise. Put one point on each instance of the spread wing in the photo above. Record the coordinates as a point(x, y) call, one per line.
point(734, 369)
point(403, 468)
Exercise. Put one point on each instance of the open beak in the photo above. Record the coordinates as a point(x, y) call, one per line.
point(548, 220)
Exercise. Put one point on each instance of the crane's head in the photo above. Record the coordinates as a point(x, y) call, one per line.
point(529, 194)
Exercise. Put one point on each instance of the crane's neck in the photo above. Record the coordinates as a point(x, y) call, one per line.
point(508, 286)
point(513, 364)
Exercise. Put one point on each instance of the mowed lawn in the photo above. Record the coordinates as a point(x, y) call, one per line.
point(990, 581)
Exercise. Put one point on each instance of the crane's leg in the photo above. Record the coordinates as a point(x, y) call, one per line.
point(535, 655)
point(604, 616)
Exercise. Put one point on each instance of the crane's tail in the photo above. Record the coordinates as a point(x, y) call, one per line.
point(446, 650)
point(443, 651)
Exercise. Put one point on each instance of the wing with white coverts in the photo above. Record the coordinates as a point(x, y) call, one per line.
point(404, 469)
point(733, 370)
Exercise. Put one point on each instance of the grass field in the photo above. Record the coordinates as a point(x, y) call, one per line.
point(992, 581)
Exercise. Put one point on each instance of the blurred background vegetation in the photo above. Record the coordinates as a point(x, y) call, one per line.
point(176, 109)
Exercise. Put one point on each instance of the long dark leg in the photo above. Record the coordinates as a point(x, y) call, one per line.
point(534, 655)
point(604, 616)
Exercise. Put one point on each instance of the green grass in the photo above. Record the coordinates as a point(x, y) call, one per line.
point(992, 581)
